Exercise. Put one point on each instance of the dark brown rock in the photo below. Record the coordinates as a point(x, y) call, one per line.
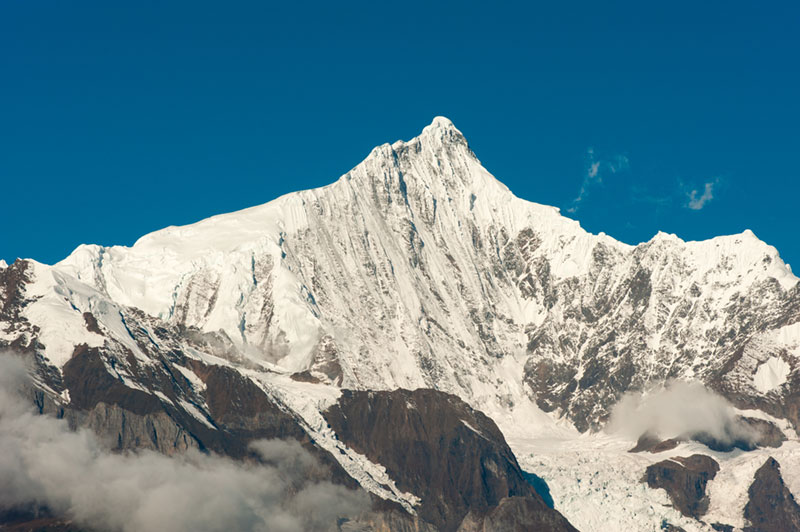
point(684, 480)
point(12, 293)
point(771, 506)
point(435, 446)
point(515, 514)
point(653, 444)
point(304, 376)
point(91, 323)
point(90, 383)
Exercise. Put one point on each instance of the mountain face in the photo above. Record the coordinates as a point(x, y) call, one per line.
point(419, 269)
point(416, 269)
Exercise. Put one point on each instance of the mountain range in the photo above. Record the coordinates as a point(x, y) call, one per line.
point(463, 358)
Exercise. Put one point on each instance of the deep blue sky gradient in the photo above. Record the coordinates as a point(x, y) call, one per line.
point(119, 118)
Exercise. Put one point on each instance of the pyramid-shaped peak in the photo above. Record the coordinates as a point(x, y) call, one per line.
point(442, 122)
point(441, 133)
point(442, 128)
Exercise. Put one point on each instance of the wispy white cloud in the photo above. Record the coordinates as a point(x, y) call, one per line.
point(596, 169)
point(44, 463)
point(696, 200)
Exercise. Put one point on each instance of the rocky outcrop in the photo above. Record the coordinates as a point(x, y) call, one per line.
point(515, 514)
point(744, 433)
point(771, 506)
point(653, 444)
point(769, 435)
point(435, 446)
point(124, 430)
point(684, 480)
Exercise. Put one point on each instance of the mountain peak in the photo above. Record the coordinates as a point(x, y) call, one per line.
point(442, 122)
point(442, 129)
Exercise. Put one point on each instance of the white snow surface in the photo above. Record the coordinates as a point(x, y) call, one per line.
point(58, 309)
point(771, 374)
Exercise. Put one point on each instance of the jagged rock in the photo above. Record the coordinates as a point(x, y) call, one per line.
point(124, 430)
point(684, 480)
point(771, 506)
point(516, 514)
point(438, 448)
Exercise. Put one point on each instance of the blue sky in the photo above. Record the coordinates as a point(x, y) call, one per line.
point(119, 118)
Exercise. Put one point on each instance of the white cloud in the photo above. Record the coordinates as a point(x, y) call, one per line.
point(595, 171)
point(45, 463)
point(696, 200)
point(679, 409)
point(594, 168)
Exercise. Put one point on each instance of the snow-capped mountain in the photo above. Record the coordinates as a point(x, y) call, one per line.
point(419, 269)
point(416, 269)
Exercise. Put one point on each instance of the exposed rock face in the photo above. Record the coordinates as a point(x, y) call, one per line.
point(435, 446)
point(684, 480)
point(653, 444)
point(124, 430)
point(764, 434)
point(771, 506)
point(387, 520)
point(515, 514)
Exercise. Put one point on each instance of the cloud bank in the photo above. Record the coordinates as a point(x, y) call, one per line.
point(42, 462)
point(680, 409)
